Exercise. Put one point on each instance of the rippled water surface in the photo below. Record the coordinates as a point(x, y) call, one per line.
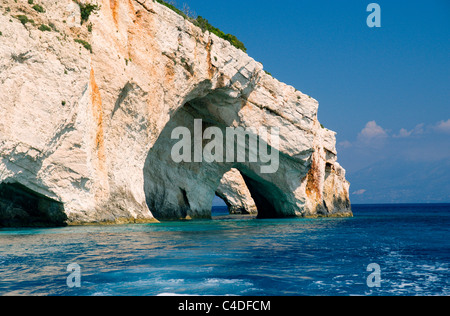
point(242, 256)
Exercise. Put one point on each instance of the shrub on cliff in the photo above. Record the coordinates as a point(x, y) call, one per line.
point(44, 28)
point(86, 10)
point(206, 26)
point(24, 19)
point(173, 8)
point(84, 44)
point(39, 8)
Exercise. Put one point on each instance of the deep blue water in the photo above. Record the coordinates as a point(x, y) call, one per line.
point(243, 256)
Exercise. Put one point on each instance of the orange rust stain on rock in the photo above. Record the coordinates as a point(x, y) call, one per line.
point(114, 5)
point(131, 6)
point(246, 106)
point(97, 112)
point(132, 11)
point(141, 46)
point(313, 181)
point(170, 72)
point(210, 65)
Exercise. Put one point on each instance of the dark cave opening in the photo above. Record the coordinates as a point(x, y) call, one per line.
point(22, 207)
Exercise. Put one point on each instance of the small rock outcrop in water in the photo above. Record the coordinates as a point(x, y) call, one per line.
point(87, 111)
point(234, 192)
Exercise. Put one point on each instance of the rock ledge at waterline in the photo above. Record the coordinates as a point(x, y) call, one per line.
point(85, 130)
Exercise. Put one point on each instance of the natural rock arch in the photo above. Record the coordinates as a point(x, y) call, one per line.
point(186, 189)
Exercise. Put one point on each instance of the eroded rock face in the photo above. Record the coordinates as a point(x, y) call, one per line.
point(91, 131)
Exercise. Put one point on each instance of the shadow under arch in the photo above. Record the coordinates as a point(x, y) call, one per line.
point(185, 190)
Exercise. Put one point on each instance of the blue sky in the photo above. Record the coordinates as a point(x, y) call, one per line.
point(385, 91)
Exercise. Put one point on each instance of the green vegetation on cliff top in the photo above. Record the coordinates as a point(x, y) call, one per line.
point(205, 25)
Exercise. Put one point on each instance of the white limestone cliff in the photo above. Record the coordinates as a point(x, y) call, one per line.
point(86, 129)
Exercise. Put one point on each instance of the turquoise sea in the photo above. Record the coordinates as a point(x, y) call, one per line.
point(238, 256)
